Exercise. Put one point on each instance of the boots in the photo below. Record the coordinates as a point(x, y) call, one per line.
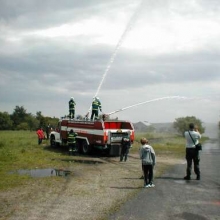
point(187, 178)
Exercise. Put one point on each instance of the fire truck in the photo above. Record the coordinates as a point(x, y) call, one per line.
point(105, 135)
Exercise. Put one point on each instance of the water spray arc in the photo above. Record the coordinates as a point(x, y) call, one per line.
point(133, 18)
point(141, 103)
point(112, 58)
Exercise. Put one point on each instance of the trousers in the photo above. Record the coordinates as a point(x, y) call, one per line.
point(148, 173)
point(192, 156)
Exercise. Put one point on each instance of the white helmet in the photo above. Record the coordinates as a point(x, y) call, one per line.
point(97, 98)
point(71, 98)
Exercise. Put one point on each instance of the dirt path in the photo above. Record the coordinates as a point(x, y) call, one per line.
point(91, 192)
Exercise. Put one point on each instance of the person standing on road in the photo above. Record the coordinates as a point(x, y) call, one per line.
point(71, 141)
point(148, 158)
point(125, 146)
point(191, 153)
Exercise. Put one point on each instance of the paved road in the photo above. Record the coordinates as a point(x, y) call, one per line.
point(175, 198)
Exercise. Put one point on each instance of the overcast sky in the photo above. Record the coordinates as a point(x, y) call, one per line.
point(125, 51)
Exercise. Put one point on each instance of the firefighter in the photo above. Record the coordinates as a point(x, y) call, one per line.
point(125, 146)
point(72, 108)
point(71, 141)
point(96, 106)
point(48, 130)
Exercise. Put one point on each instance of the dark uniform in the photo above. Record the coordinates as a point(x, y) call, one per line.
point(71, 141)
point(72, 108)
point(96, 105)
point(125, 146)
point(48, 129)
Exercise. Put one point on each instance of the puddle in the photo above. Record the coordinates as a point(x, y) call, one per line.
point(43, 172)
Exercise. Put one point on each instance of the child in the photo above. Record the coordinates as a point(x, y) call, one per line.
point(148, 158)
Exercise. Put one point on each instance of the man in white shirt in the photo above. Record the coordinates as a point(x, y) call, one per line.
point(192, 155)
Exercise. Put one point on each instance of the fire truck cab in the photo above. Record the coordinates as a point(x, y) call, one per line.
point(103, 135)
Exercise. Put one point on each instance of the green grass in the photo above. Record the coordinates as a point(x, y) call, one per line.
point(20, 150)
point(166, 144)
point(163, 144)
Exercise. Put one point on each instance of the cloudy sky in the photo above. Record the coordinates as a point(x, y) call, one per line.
point(125, 51)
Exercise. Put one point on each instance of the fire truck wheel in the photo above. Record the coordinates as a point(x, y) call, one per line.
point(52, 141)
point(77, 147)
point(86, 149)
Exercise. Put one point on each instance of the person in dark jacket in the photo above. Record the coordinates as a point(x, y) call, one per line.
point(96, 106)
point(148, 158)
point(72, 108)
point(48, 130)
point(125, 146)
point(71, 141)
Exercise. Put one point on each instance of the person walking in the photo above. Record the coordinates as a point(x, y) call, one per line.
point(96, 106)
point(71, 141)
point(125, 146)
point(192, 137)
point(40, 134)
point(148, 158)
point(72, 108)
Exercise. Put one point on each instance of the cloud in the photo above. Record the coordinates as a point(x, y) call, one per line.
point(51, 51)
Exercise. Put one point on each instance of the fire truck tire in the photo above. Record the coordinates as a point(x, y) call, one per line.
point(77, 147)
point(52, 141)
point(86, 148)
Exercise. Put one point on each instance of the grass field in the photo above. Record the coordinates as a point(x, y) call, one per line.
point(109, 183)
point(162, 143)
point(20, 150)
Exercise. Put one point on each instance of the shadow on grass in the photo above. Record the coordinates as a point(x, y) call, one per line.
point(125, 187)
point(60, 150)
point(64, 151)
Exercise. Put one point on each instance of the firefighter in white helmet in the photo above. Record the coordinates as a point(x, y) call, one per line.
point(72, 108)
point(71, 141)
point(96, 106)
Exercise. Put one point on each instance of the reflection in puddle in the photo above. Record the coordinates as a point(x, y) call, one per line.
point(43, 172)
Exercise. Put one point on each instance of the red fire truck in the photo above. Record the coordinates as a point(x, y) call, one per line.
point(103, 135)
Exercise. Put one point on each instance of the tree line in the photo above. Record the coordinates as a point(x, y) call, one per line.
point(182, 124)
point(20, 119)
